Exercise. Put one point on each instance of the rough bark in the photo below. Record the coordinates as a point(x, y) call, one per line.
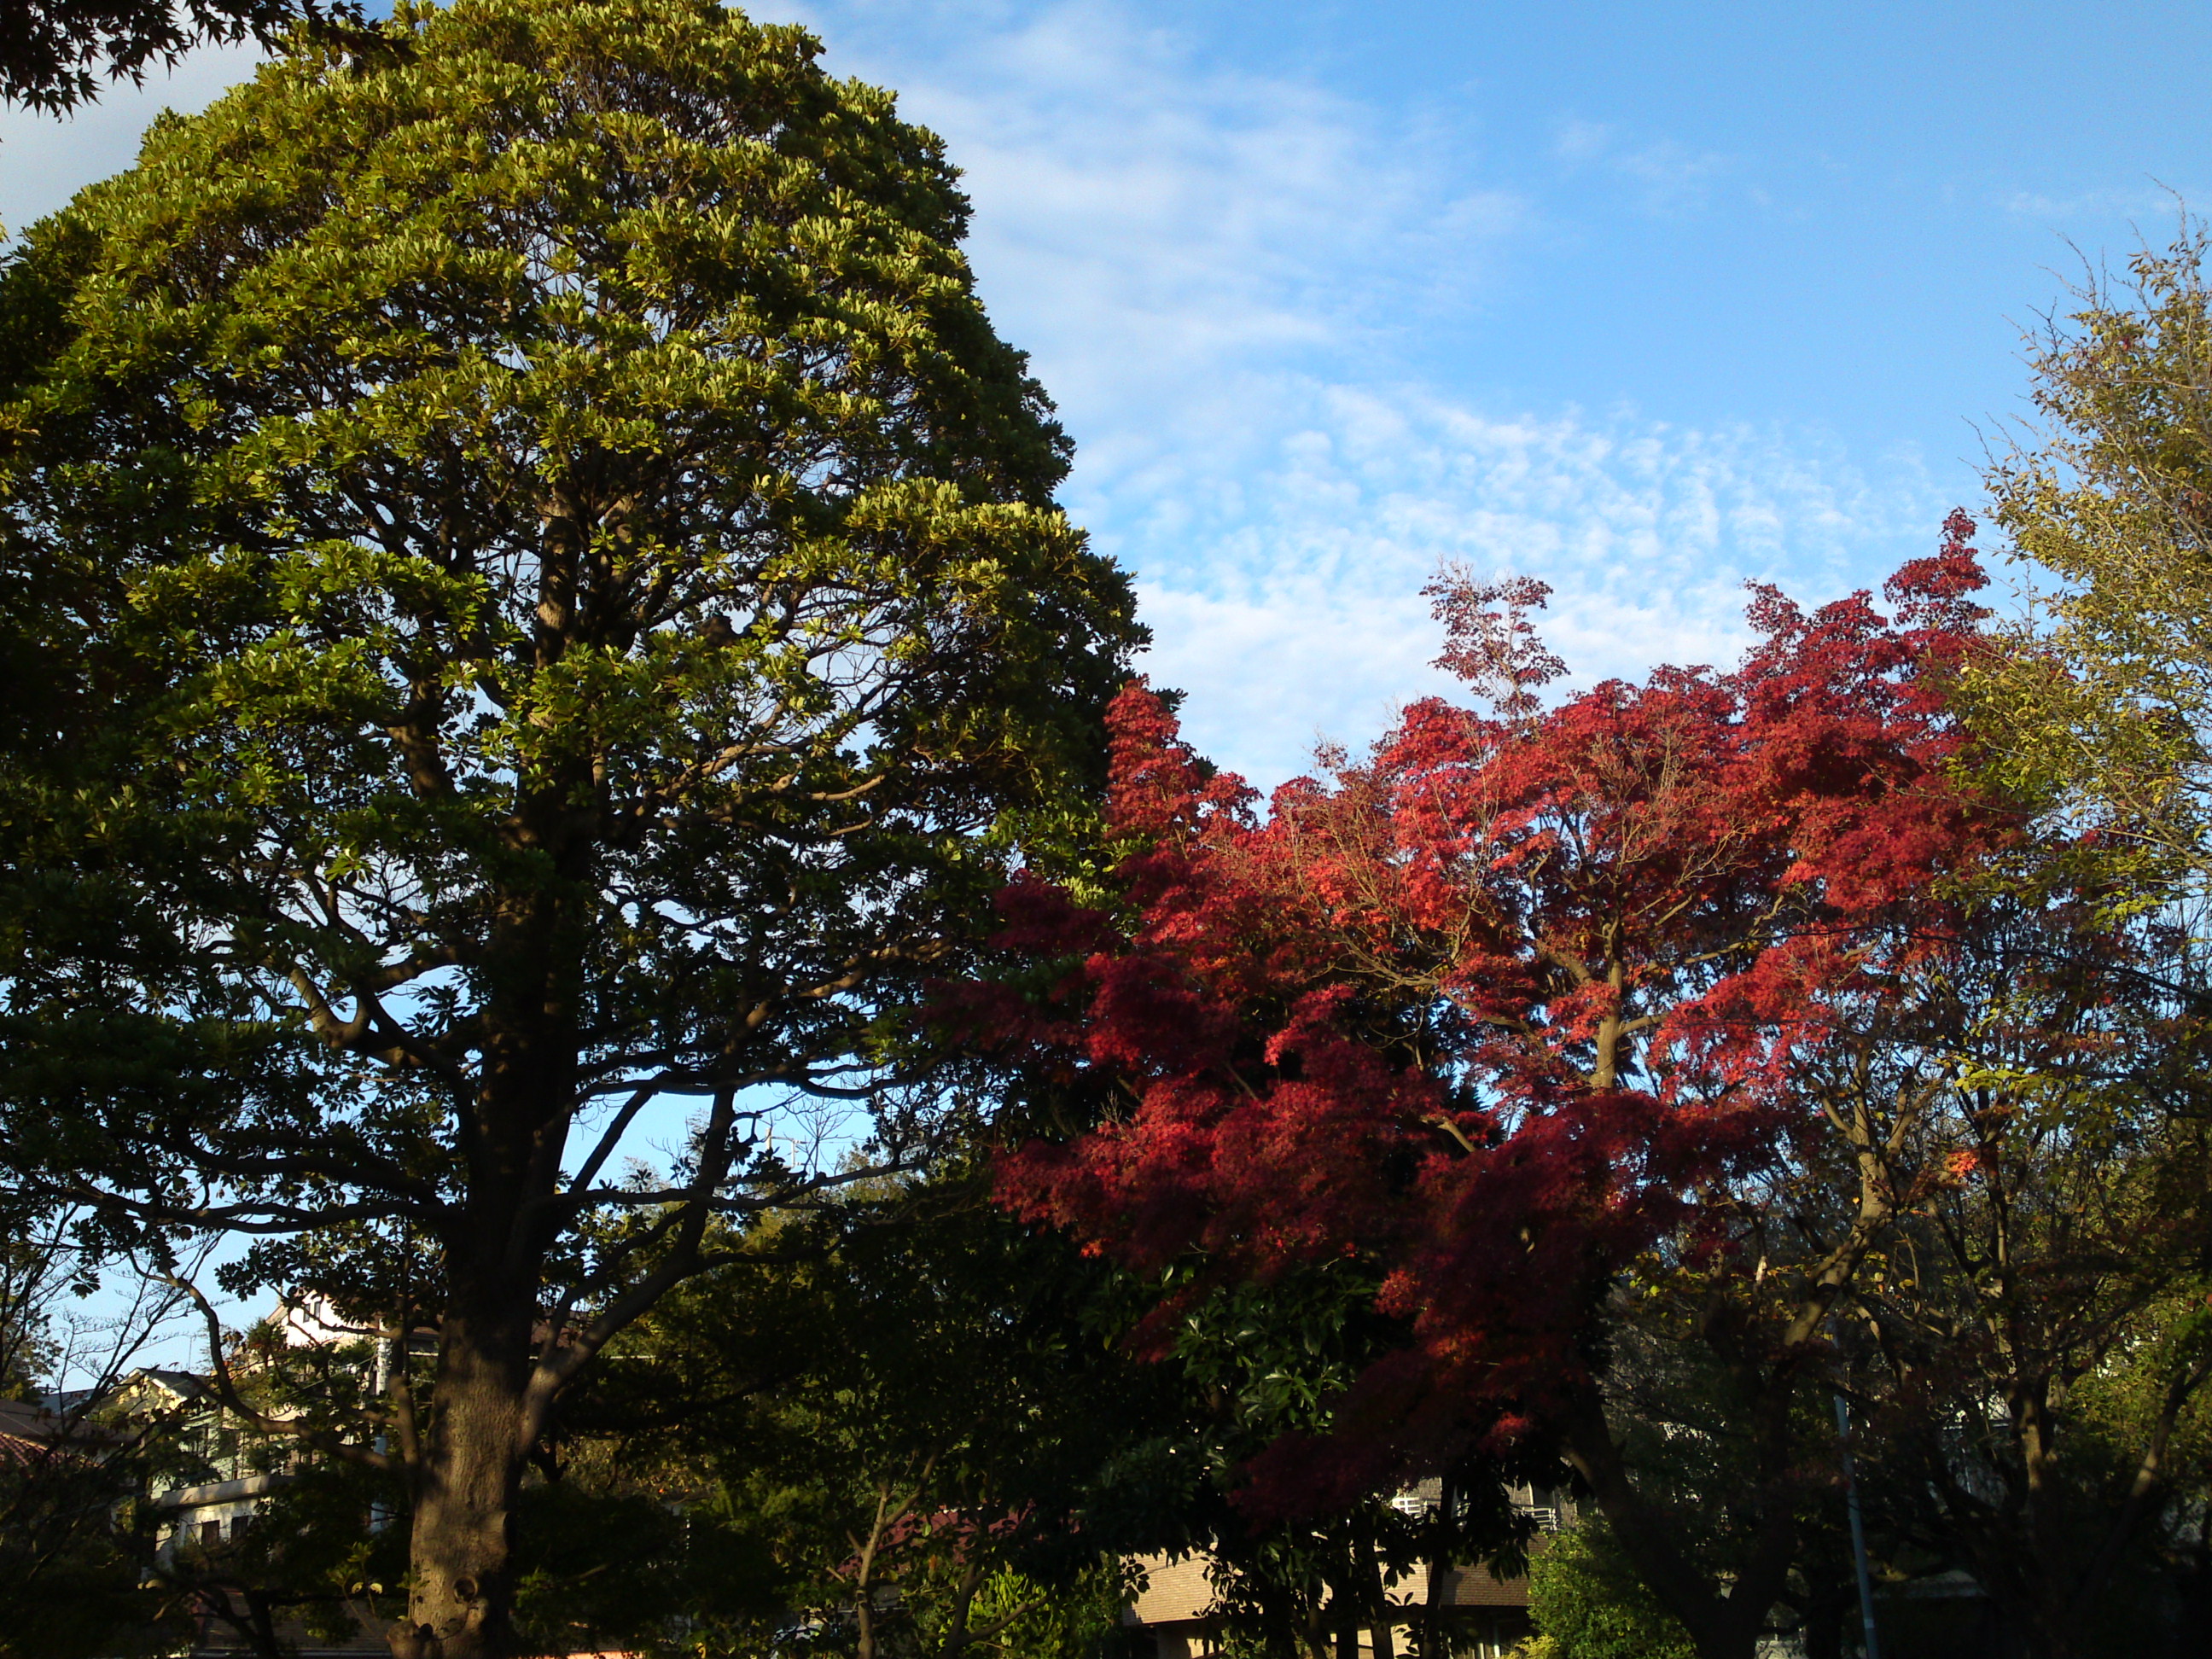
point(461, 1600)
point(1828, 1602)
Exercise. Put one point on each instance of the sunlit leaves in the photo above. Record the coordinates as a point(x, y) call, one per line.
point(1490, 1008)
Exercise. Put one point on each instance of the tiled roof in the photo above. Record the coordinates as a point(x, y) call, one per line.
point(1477, 1587)
point(16, 1452)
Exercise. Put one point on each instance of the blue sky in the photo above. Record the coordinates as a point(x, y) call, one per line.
point(1644, 299)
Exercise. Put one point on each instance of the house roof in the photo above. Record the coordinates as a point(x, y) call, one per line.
point(186, 1385)
point(31, 1434)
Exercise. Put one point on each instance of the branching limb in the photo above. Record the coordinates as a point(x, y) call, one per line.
point(225, 1385)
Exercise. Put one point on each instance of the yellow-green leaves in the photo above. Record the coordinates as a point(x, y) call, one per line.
point(2100, 705)
point(540, 552)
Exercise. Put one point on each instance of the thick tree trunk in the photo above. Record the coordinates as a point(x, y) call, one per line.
point(468, 1475)
point(461, 1602)
point(1828, 1603)
point(262, 1623)
point(1429, 1632)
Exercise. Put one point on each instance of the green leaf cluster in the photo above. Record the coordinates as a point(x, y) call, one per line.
point(530, 578)
point(2097, 704)
point(1587, 1603)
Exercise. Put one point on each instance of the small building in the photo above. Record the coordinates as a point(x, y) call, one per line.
point(221, 1470)
point(1175, 1610)
point(1489, 1614)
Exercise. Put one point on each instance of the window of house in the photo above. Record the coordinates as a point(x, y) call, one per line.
point(210, 1533)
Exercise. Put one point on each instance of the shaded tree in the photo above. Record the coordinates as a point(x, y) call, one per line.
point(912, 1421)
point(1587, 1603)
point(2052, 1257)
point(560, 610)
point(54, 54)
point(1514, 1004)
point(2098, 707)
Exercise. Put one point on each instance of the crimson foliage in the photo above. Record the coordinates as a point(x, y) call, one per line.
point(1493, 1007)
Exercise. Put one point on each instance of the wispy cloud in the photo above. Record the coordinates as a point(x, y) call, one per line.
point(1225, 278)
point(1666, 178)
point(1151, 229)
point(2148, 200)
point(1291, 609)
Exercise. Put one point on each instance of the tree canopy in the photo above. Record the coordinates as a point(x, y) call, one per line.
point(1505, 1007)
point(54, 54)
point(2098, 707)
point(546, 597)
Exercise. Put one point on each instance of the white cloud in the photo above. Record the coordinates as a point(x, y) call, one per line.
point(1226, 277)
point(1295, 611)
point(2148, 201)
point(1669, 178)
point(1149, 227)
point(1672, 176)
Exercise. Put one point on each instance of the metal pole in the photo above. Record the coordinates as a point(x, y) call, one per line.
point(1858, 1529)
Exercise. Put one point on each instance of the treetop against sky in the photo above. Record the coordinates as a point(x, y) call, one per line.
point(1644, 302)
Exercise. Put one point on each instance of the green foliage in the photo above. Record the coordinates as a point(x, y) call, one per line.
point(940, 1380)
point(2099, 705)
point(1587, 1603)
point(29, 1284)
point(919, 1407)
point(534, 588)
point(55, 54)
point(1032, 1619)
point(74, 1545)
point(603, 1561)
point(1248, 1367)
point(2083, 1136)
point(489, 502)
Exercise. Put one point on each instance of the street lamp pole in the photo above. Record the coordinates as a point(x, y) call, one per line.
point(1858, 1529)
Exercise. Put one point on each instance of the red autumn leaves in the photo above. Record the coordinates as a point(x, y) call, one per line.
point(1491, 1006)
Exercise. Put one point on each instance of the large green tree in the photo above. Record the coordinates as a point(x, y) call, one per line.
point(545, 597)
point(2082, 1229)
point(2101, 706)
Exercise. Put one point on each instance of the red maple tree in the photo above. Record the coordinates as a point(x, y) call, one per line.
point(1501, 1005)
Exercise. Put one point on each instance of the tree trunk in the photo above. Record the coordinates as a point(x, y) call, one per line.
point(1828, 1603)
point(963, 1602)
point(1431, 1643)
point(460, 1604)
point(262, 1627)
point(1721, 1626)
point(864, 1624)
point(1344, 1606)
point(1379, 1595)
point(468, 1475)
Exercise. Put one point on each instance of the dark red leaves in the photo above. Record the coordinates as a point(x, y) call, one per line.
point(1490, 1007)
point(1489, 640)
